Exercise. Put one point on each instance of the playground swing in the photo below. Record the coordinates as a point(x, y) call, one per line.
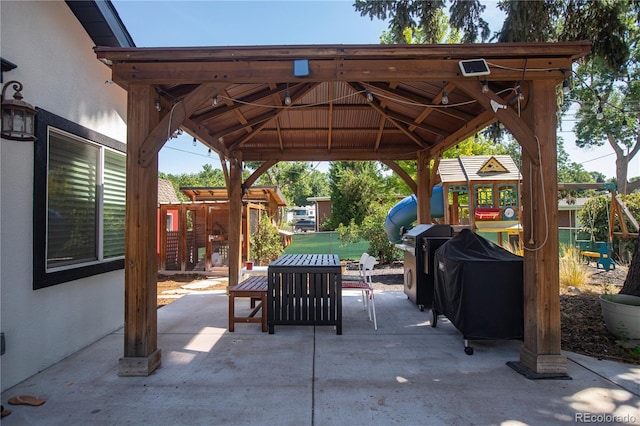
point(598, 251)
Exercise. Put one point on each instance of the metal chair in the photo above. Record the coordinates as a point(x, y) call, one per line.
point(355, 281)
point(366, 286)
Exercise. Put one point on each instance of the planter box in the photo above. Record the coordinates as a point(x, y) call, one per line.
point(621, 315)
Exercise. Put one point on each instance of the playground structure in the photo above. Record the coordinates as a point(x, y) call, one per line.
point(601, 251)
point(481, 193)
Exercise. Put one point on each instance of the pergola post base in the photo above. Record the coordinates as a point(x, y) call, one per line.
point(536, 366)
point(139, 366)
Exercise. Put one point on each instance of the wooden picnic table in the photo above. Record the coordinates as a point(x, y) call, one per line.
point(305, 289)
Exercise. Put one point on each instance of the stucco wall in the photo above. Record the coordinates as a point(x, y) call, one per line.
point(61, 74)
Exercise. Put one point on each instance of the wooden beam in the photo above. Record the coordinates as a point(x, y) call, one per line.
point(255, 98)
point(338, 130)
point(260, 71)
point(480, 122)
point(299, 94)
point(235, 218)
point(518, 128)
point(490, 51)
point(424, 188)
point(258, 172)
point(330, 117)
point(541, 352)
point(415, 98)
point(194, 129)
point(309, 154)
point(575, 186)
point(241, 118)
point(141, 353)
point(402, 174)
point(358, 88)
point(181, 110)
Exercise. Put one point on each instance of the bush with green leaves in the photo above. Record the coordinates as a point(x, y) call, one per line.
point(372, 230)
point(265, 242)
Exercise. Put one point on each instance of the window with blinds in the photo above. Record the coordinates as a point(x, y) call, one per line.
point(85, 202)
point(79, 186)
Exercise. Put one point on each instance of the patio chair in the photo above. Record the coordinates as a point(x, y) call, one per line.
point(366, 286)
point(359, 278)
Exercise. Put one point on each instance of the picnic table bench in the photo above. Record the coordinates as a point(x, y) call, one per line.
point(255, 288)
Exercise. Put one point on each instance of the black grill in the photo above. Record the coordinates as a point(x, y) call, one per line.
point(419, 245)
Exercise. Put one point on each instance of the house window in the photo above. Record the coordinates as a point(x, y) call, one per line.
point(79, 202)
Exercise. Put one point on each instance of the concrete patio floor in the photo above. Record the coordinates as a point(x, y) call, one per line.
point(404, 373)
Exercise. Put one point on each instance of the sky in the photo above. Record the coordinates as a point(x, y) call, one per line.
point(156, 23)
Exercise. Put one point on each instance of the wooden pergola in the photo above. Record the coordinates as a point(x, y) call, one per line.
point(341, 102)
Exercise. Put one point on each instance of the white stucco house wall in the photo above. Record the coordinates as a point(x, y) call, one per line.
point(53, 305)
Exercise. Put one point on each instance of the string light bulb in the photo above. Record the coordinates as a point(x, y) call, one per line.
point(369, 95)
point(195, 142)
point(214, 101)
point(599, 113)
point(158, 106)
point(445, 98)
point(209, 152)
point(566, 89)
point(520, 95)
point(485, 86)
point(287, 96)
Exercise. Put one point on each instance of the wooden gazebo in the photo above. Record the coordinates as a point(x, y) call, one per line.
point(342, 102)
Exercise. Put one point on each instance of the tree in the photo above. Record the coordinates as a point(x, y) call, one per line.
point(208, 176)
point(265, 242)
point(296, 179)
point(372, 230)
point(427, 17)
point(632, 282)
point(610, 111)
point(354, 186)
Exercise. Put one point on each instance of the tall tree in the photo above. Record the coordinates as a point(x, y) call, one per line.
point(610, 111)
point(296, 179)
point(607, 83)
point(208, 176)
point(354, 186)
point(426, 16)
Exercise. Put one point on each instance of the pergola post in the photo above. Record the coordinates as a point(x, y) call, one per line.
point(424, 187)
point(141, 354)
point(235, 218)
point(541, 352)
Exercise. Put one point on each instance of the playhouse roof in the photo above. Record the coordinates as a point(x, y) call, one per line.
point(254, 194)
point(478, 168)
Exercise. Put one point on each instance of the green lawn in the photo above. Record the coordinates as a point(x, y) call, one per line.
point(325, 242)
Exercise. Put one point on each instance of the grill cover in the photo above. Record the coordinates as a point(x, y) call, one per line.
point(479, 287)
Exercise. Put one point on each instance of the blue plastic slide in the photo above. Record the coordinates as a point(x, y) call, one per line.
point(403, 214)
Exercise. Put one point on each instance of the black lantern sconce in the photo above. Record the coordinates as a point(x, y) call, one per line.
point(17, 115)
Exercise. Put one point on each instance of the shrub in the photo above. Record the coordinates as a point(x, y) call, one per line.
point(265, 242)
point(572, 272)
point(372, 230)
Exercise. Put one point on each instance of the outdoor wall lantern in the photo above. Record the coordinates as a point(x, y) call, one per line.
point(17, 115)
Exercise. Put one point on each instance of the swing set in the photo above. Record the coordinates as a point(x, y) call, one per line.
point(601, 251)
